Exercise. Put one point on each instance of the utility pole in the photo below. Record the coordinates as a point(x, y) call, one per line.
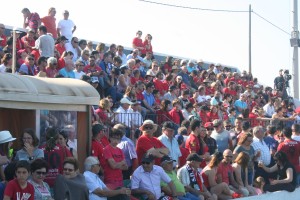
point(295, 44)
point(250, 67)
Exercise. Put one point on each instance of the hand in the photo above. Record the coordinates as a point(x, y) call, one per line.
point(258, 153)
point(150, 196)
point(29, 148)
point(274, 182)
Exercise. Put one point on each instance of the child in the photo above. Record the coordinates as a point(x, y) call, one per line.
point(259, 184)
point(231, 116)
point(19, 188)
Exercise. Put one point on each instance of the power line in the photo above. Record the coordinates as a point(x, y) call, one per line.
point(193, 8)
point(271, 23)
point(215, 10)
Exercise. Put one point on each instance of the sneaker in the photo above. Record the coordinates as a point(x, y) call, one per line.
point(236, 195)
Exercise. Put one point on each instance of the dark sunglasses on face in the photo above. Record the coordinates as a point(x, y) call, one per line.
point(40, 173)
point(148, 127)
point(147, 163)
point(210, 129)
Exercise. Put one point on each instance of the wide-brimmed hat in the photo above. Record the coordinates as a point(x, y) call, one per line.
point(148, 123)
point(5, 137)
point(124, 100)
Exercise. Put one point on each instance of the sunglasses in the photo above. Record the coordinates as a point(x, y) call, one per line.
point(69, 170)
point(30, 58)
point(210, 129)
point(148, 127)
point(146, 163)
point(228, 156)
point(40, 173)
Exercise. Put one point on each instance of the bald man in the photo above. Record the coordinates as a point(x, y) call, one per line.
point(225, 174)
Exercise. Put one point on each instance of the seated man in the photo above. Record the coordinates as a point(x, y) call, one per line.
point(167, 165)
point(190, 176)
point(97, 189)
point(146, 180)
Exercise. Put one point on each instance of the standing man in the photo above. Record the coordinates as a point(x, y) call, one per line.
point(168, 139)
point(50, 22)
point(192, 142)
point(32, 20)
point(280, 84)
point(66, 27)
point(45, 43)
point(221, 136)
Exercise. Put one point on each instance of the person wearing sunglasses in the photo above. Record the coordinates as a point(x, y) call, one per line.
point(147, 177)
point(286, 173)
point(39, 169)
point(210, 142)
point(71, 185)
point(149, 144)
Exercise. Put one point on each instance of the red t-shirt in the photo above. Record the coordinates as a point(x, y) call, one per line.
point(159, 85)
point(229, 91)
point(292, 149)
point(184, 154)
point(175, 116)
point(55, 159)
point(203, 116)
point(97, 149)
point(225, 170)
point(144, 143)
point(49, 22)
point(133, 80)
point(138, 42)
point(212, 116)
point(15, 192)
point(88, 69)
point(113, 178)
point(102, 114)
point(254, 121)
point(192, 143)
point(144, 51)
point(139, 96)
point(60, 49)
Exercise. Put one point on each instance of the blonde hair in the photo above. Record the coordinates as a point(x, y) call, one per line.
point(104, 104)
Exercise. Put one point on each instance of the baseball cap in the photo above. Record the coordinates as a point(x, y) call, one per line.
point(217, 122)
point(125, 100)
point(166, 159)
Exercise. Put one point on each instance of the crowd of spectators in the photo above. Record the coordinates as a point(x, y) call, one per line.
point(177, 129)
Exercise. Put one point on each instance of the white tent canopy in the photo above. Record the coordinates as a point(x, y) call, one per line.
point(28, 92)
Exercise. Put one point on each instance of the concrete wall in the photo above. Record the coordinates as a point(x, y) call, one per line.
point(280, 195)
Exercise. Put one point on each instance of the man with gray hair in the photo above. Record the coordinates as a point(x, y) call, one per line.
point(67, 71)
point(262, 151)
point(97, 189)
point(51, 69)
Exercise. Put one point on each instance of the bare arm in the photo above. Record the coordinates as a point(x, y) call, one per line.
point(110, 193)
point(288, 179)
point(237, 173)
point(74, 29)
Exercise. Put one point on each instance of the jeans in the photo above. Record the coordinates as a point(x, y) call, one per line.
point(188, 196)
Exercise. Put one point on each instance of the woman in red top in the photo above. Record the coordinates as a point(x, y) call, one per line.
point(137, 42)
point(136, 77)
point(204, 150)
point(168, 65)
point(102, 111)
point(60, 44)
point(209, 175)
point(213, 114)
point(163, 112)
point(147, 45)
point(176, 114)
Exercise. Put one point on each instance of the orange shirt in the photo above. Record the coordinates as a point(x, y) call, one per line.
point(49, 22)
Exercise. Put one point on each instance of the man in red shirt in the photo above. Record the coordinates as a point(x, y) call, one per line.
point(225, 173)
point(230, 89)
point(49, 22)
point(147, 144)
point(99, 142)
point(137, 42)
point(291, 148)
point(32, 20)
point(192, 142)
point(114, 161)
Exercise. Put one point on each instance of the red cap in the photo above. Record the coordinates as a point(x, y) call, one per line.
point(208, 124)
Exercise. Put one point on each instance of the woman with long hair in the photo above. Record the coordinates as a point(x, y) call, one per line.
point(63, 139)
point(244, 145)
point(104, 110)
point(123, 79)
point(30, 150)
point(163, 113)
point(6, 62)
point(286, 173)
point(209, 177)
point(240, 170)
point(54, 154)
point(168, 65)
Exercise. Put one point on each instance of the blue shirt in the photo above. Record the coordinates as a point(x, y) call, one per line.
point(23, 155)
point(67, 74)
point(239, 104)
point(93, 182)
point(127, 146)
point(149, 98)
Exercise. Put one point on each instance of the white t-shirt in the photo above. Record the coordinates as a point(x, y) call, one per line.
point(296, 137)
point(66, 27)
point(78, 75)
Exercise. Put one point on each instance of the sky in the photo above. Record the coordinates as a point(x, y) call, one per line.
point(218, 37)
